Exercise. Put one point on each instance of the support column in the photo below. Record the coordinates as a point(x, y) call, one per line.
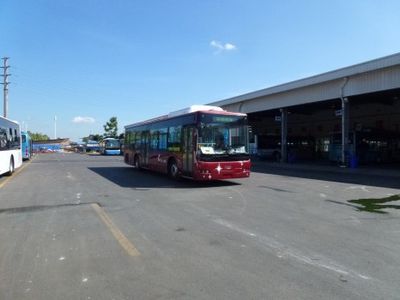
point(284, 114)
point(255, 143)
point(345, 131)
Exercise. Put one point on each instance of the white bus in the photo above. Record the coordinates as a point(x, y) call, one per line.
point(10, 146)
point(110, 146)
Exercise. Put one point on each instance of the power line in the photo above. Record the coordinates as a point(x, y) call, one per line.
point(5, 84)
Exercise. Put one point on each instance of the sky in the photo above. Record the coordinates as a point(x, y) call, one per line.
point(85, 61)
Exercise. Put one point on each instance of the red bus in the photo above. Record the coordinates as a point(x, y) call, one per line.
point(200, 142)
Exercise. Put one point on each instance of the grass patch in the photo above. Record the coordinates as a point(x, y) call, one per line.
point(375, 205)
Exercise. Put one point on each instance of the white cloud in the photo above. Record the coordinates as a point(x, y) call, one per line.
point(229, 46)
point(221, 46)
point(83, 120)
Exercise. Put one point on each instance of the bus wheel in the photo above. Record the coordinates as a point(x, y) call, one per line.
point(173, 170)
point(11, 168)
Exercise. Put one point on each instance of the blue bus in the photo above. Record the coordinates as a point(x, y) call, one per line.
point(92, 146)
point(110, 146)
point(26, 145)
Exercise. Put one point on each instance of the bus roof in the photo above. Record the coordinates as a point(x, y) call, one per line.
point(185, 111)
point(12, 121)
point(194, 108)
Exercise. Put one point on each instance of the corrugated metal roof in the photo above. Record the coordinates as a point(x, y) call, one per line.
point(376, 64)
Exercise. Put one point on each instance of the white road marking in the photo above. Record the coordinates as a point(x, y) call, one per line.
point(283, 251)
point(355, 220)
point(244, 201)
point(61, 258)
point(322, 195)
point(78, 196)
point(358, 187)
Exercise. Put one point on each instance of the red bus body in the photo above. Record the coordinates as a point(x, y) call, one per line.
point(184, 144)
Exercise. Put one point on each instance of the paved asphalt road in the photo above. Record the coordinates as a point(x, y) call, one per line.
point(74, 226)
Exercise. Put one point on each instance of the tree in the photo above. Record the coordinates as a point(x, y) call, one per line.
point(96, 137)
point(111, 128)
point(92, 137)
point(36, 136)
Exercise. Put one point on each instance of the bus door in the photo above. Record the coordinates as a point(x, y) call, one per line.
point(145, 143)
point(188, 149)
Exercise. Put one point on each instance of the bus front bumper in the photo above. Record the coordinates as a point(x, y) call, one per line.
point(222, 170)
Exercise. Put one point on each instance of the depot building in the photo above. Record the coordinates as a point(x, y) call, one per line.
point(350, 116)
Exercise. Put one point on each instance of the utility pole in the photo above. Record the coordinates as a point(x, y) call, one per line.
point(5, 84)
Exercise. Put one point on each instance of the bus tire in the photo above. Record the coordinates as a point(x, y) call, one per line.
point(173, 170)
point(11, 167)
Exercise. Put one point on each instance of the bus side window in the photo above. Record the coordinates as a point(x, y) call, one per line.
point(3, 139)
point(174, 138)
point(10, 139)
point(16, 139)
point(10, 136)
point(131, 140)
point(137, 140)
point(163, 138)
point(154, 139)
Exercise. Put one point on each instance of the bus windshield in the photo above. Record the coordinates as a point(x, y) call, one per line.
point(112, 144)
point(224, 135)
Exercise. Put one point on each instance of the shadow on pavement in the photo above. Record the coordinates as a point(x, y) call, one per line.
point(380, 178)
point(129, 177)
point(38, 208)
